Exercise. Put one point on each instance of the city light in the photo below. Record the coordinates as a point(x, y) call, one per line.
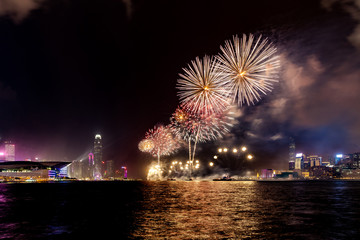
point(235, 150)
point(299, 155)
point(215, 157)
point(220, 150)
point(339, 155)
point(211, 164)
point(243, 149)
point(250, 157)
point(225, 149)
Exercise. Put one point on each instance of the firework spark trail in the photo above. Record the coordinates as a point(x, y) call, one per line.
point(163, 141)
point(202, 89)
point(198, 128)
point(159, 141)
point(250, 67)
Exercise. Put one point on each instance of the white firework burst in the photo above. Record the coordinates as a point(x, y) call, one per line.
point(250, 67)
point(202, 89)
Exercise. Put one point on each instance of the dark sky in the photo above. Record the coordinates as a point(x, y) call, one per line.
point(72, 68)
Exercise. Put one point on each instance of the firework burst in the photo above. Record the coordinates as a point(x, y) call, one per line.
point(250, 67)
point(202, 89)
point(162, 140)
point(199, 128)
point(146, 145)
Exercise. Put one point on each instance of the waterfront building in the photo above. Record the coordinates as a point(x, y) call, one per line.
point(9, 151)
point(315, 160)
point(287, 175)
point(89, 166)
point(110, 169)
point(338, 158)
point(292, 157)
point(75, 170)
point(98, 159)
point(299, 161)
point(33, 170)
point(325, 162)
point(267, 173)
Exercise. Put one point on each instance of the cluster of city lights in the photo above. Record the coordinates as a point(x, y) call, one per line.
point(234, 150)
point(178, 166)
point(237, 151)
point(154, 172)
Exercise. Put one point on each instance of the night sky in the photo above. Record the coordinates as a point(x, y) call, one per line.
point(72, 68)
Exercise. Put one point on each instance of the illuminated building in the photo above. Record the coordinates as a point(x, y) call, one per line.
point(325, 161)
point(315, 160)
point(306, 165)
point(2, 156)
point(299, 161)
point(89, 166)
point(98, 157)
point(125, 172)
point(267, 173)
point(9, 151)
point(338, 158)
point(110, 170)
point(75, 170)
point(292, 154)
point(355, 160)
point(34, 170)
point(287, 175)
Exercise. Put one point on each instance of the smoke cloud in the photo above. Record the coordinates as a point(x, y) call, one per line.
point(352, 7)
point(18, 10)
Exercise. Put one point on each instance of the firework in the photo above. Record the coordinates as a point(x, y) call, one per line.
point(154, 172)
point(202, 89)
point(146, 145)
point(180, 115)
point(199, 128)
point(163, 141)
point(250, 67)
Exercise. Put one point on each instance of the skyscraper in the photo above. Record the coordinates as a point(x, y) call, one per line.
point(9, 151)
point(89, 165)
point(292, 154)
point(110, 169)
point(299, 161)
point(97, 157)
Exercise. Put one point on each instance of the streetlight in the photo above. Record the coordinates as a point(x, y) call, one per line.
point(220, 150)
point(235, 150)
point(225, 149)
point(211, 164)
point(250, 157)
point(243, 149)
point(215, 157)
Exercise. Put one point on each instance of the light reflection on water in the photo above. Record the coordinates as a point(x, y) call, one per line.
point(180, 210)
point(197, 209)
point(248, 210)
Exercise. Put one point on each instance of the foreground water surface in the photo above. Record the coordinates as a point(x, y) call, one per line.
point(180, 210)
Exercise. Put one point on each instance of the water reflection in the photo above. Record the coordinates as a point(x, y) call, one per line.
point(244, 210)
point(180, 210)
point(198, 210)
